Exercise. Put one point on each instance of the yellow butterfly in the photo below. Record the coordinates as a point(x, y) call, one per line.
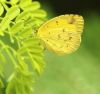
point(62, 34)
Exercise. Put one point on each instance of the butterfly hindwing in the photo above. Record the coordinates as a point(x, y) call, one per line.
point(62, 34)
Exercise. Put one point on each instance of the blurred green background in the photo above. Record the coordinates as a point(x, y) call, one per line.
point(79, 72)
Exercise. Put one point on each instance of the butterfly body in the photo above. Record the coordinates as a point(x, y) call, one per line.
point(62, 34)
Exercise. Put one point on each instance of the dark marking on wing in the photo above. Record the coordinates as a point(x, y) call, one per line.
point(59, 36)
point(65, 40)
point(70, 38)
point(67, 45)
point(47, 26)
point(57, 22)
point(71, 21)
point(64, 30)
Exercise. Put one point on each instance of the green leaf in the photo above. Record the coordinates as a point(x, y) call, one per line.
point(14, 1)
point(37, 22)
point(36, 50)
point(21, 83)
point(2, 59)
point(32, 42)
point(28, 6)
point(13, 12)
point(4, 24)
point(1, 9)
point(23, 16)
point(1, 84)
point(26, 32)
point(2, 0)
point(23, 3)
point(39, 13)
point(17, 27)
point(38, 64)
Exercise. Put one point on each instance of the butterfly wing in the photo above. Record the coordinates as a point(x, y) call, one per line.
point(62, 34)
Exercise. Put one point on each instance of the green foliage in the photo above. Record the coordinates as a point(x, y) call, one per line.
point(21, 54)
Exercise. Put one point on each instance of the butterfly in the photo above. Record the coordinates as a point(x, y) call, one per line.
point(62, 34)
